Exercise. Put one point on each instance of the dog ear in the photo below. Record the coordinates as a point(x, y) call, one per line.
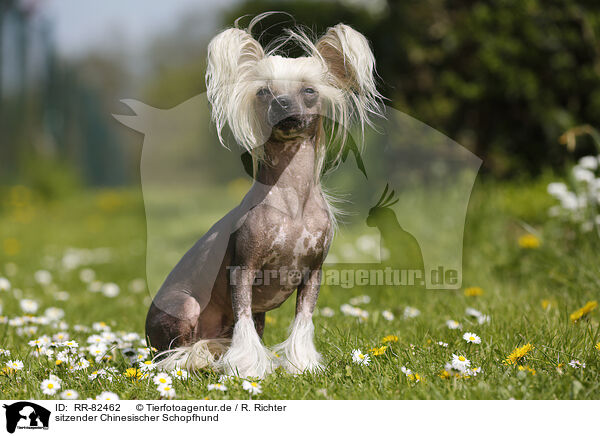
point(349, 59)
point(231, 53)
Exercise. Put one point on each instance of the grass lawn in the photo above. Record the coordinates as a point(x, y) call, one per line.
point(528, 294)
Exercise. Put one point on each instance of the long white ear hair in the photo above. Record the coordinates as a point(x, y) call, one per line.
point(350, 67)
point(232, 55)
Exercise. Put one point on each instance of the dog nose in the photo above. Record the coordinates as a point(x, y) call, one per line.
point(282, 103)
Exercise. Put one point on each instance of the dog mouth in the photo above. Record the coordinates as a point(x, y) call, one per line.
point(289, 123)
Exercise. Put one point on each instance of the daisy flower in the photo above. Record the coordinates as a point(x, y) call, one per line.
point(327, 312)
point(80, 364)
point(110, 290)
point(87, 275)
point(460, 362)
point(224, 378)
point(252, 387)
point(107, 396)
point(60, 337)
point(70, 344)
point(147, 366)
point(360, 358)
point(576, 364)
point(166, 391)
point(50, 386)
point(453, 325)
point(54, 313)
point(217, 387)
point(405, 370)
point(4, 352)
point(4, 284)
point(411, 312)
point(162, 378)
point(442, 344)
point(100, 326)
point(17, 365)
point(473, 312)
point(29, 306)
point(472, 338)
point(180, 374)
point(43, 277)
point(98, 351)
point(361, 299)
point(387, 315)
point(69, 394)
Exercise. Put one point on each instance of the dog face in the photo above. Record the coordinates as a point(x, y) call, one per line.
point(262, 95)
point(288, 101)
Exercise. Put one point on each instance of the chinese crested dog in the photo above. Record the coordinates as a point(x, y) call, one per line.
point(291, 115)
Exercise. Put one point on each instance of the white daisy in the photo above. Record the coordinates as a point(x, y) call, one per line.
point(98, 351)
point(472, 338)
point(50, 386)
point(405, 370)
point(224, 378)
point(460, 362)
point(180, 374)
point(110, 290)
point(389, 316)
point(162, 378)
point(69, 394)
point(70, 344)
point(252, 387)
point(4, 284)
point(147, 366)
point(411, 312)
point(361, 299)
point(87, 275)
point(17, 365)
point(217, 387)
point(43, 277)
point(360, 358)
point(327, 312)
point(29, 306)
point(54, 313)
point(483, 319)
point(137, 285)
point(442, 344)
point(576, 364)
point(4, 352)
point(166, 391)
point(80, 365)
point(100, 326)
point(453, 325)
point(107, 396)
point(473, 312)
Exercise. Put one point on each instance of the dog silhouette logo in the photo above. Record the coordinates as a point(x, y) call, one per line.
point(26, 415)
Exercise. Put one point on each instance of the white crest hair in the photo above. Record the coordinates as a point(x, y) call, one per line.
point(342, 63)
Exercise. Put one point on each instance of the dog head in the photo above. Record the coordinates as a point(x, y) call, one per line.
point(263, 96)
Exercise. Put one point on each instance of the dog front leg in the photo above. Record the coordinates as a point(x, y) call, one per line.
point(247, 356)
point(298, 350)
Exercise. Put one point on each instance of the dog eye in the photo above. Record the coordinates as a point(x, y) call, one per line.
point(309, 91)
point(262, 92)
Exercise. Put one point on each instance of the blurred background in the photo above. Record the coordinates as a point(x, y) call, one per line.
point(503, 79)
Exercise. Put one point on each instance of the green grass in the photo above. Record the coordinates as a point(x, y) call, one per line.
point(564, 270)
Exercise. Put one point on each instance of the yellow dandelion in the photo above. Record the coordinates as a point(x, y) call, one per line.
point(546, 304)
point(529, 241)
point(526, 368)
point(444, 375)
point(473, 291)
point(598, 346)
point(378, 351)
point(518, 354)
point(389, 338)
point(583, 311)
point(133, 373)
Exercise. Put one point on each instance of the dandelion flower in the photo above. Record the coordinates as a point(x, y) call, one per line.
point(107, 396)
point(518, 354)
point(360, 358)
point(389, 338)
point(472, 338)
point(460, 362)
point(217, 387)
point(597, 347)
point(378, 351)
point(473, 291)
point(50, 386)
point(529, 241)
point(526, 369)
point(252, 387)
point(453, 325)
point(69, 394)
point(162, 378)
point(583, 311)
point(134, 373)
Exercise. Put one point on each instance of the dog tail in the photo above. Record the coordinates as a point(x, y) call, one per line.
point(203, 354)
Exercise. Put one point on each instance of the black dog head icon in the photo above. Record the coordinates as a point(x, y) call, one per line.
point(28, 414)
